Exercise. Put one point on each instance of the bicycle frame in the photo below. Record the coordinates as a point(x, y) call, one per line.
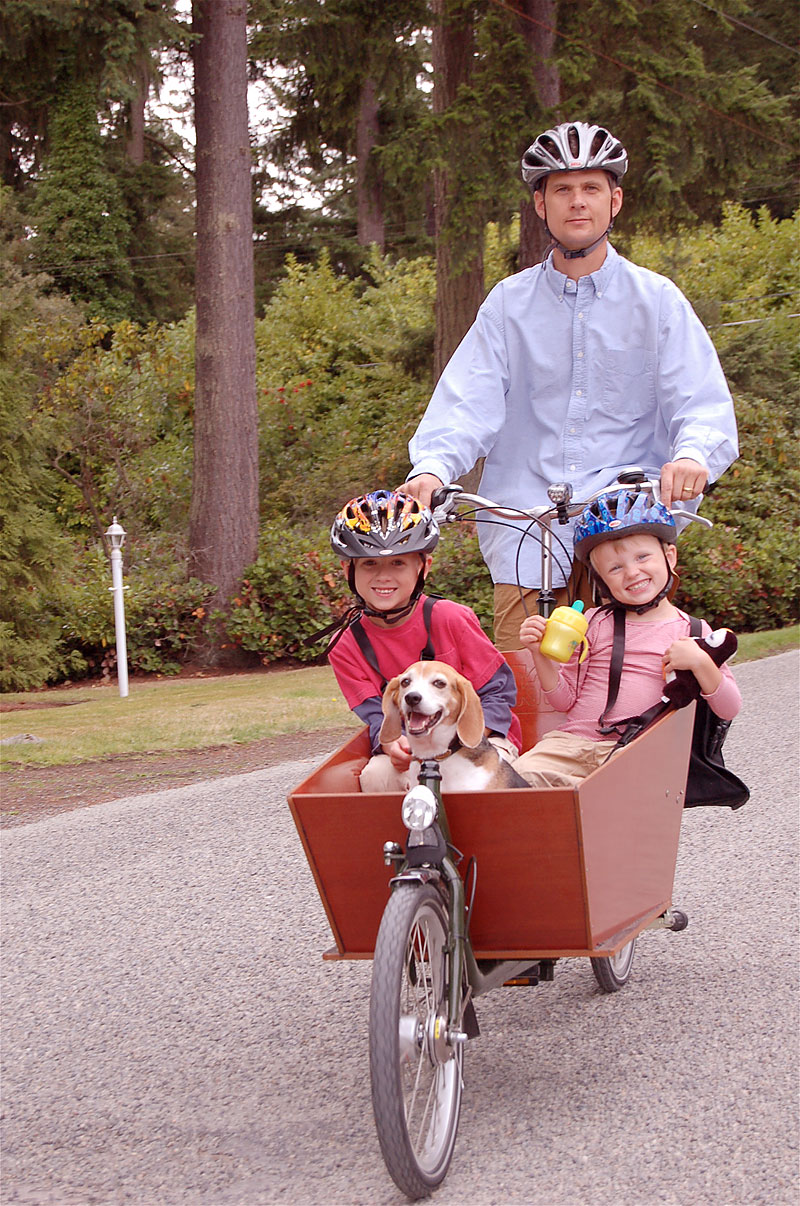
point(464, 965)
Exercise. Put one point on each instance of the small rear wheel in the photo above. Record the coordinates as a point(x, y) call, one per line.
point(416, 1072)
point(613, 973)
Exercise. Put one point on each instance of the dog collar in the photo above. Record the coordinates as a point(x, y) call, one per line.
point(455, 745)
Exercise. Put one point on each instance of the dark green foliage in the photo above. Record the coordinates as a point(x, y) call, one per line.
point(337, 403)
point(459, 572)
point(82, 228)
point(327, 53)
point(34, 552)
point(743, 573)
point(43, 46)
point(295, 588)
point(685, 91)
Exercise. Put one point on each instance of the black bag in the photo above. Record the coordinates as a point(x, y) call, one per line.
point(709, 780)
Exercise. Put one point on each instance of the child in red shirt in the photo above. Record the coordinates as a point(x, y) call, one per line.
point(385, 540)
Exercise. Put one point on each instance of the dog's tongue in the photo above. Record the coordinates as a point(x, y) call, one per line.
point(418, 722)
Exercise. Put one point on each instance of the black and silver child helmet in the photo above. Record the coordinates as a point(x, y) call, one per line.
point(574, 146)
point(385, 523)
point(382, 524)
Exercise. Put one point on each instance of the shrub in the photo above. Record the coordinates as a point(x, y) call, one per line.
point(165, 614)
point(294, 588)
point(459, 572)
point(743, 572)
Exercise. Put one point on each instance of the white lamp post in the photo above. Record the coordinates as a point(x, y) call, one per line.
point(116, 538)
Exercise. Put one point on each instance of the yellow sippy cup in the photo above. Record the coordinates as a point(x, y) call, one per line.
point(566, 629)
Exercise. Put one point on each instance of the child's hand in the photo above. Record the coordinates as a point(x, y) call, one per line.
point(686, 654)
point(399, 753)
point(532, 631)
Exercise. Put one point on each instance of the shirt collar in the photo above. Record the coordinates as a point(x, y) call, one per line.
point(599, 280)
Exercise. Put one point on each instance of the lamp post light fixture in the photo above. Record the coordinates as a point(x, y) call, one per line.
point(116, 538)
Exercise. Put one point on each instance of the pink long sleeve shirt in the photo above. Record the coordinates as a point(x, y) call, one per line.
point(582, 690)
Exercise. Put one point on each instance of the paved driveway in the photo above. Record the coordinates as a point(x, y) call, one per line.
point(172, 1037)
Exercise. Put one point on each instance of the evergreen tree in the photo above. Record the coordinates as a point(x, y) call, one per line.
point(82, 231)
point(57, 61)
point(33, 551)
point(699, 120)
point(349, 87)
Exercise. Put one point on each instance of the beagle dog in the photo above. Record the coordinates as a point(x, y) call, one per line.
point(440, 712)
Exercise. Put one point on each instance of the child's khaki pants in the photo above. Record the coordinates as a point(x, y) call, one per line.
point(562, 759)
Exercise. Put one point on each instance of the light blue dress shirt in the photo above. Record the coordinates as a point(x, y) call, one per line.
point(560, 380)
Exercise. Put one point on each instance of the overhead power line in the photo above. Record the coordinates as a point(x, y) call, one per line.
point(758, 32)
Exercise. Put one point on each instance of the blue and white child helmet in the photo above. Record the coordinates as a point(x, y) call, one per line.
point(621, 513)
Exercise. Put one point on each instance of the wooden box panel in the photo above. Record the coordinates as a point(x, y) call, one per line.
point(559, 872)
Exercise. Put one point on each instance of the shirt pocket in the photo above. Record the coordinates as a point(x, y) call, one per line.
point(629, 384)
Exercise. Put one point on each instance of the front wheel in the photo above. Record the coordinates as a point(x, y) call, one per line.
point(613, 973)
point(416, 1072)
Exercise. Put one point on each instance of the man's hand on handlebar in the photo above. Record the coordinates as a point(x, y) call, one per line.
point(681, 481)
point(422, 487)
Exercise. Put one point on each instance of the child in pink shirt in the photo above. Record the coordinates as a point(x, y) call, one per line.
point(628, 543)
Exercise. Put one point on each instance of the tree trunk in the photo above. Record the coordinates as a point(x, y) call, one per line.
point(459, 254)
point(135, 141)
point(537, 23)
point(368, 185)
point(223, 525)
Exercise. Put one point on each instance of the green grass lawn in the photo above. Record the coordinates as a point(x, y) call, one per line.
point(184, 714)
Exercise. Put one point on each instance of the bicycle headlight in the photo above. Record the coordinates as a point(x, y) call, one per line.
point(419, 808)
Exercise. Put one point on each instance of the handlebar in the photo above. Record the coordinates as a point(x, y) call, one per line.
point(562, 506)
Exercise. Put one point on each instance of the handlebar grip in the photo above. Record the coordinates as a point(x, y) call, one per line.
point(442, 499)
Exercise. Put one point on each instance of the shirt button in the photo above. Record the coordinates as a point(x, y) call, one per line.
point(572, 468)
point(599, 293)
point(581, 314)
point(579, 393)
point(572, 431)
point(580, 355)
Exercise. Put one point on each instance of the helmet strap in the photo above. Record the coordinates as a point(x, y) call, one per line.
point(392, 615)
point(581, 251)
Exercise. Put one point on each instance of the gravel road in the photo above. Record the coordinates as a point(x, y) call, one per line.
point(171, 1036)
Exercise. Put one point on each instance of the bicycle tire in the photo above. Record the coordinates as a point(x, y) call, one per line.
point(613, 973)
point(416, 1076)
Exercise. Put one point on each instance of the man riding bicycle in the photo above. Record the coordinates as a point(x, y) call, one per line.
point(572, 370)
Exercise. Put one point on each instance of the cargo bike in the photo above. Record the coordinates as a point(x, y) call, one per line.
point(486, 888)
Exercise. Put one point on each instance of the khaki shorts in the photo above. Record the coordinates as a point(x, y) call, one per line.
point(563, 759)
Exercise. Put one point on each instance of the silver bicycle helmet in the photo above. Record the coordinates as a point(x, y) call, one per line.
point(574, 146)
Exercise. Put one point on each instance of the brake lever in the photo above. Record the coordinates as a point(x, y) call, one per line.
point(690, 515)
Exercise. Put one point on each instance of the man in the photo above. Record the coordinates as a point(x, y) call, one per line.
point(572, 370)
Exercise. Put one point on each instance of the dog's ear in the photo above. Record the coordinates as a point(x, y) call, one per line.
point(469, 724)
point(392, 726)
